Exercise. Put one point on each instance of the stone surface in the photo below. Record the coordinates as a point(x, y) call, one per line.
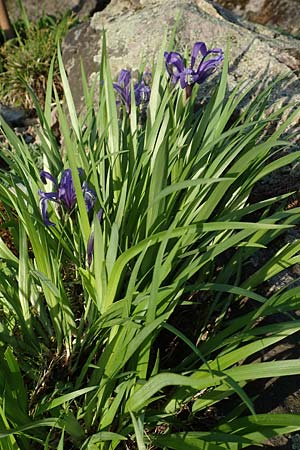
point(12, 116)
point(282, 14)
point(37, 8)
point(135, 28)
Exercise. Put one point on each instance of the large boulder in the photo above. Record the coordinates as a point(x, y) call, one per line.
point(281, 14)
point(135, 28)
point(35, 9)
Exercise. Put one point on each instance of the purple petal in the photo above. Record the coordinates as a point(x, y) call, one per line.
point(45, 197)
point(124, 78)
point(188, 78)
point(199, 47)
point(123, 87)
point(47, 176)
point(218, 51)
point(90, 245)
point(100, 215)
point(182, 78)
point(216, 60)
point(206, 68)
point(90, 248)
point(205, 72)
point(89, 196)
point(142, 93)
point(80, 172)
point(66, 190)
point(124, 94)
point(175, 59)
point(175, 65)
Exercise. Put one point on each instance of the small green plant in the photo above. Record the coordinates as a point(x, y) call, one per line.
point(26, 59)
point(147, 215)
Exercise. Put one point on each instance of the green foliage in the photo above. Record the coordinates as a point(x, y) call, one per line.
point(84, 348)
point(26, 59)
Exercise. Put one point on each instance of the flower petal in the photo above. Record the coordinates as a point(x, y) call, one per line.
point(90, 248)
point(175, 59)
point(142, 93)
point(199, 47)
point(89, 196)
point(124, 94)
point(183, 81)
point(80, 172)
point(45, 197)
point(175, 65)
point(44, 175)
point(124, 78)
point(66, 190)
point(206, 68)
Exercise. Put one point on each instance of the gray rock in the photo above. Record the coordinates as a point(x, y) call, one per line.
point(135, 28)
point(13, 116)
point(86, 8)
point(35, 9)
point(281, 14)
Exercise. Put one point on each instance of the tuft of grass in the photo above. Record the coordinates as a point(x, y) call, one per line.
point(26, 59)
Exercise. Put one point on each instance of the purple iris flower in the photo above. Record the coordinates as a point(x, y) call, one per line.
point(141, 89)
point(189, 76)
point(65, 194)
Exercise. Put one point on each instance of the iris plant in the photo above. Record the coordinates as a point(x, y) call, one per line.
point(141, 89)
point(189, 76)
point(64, 194)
